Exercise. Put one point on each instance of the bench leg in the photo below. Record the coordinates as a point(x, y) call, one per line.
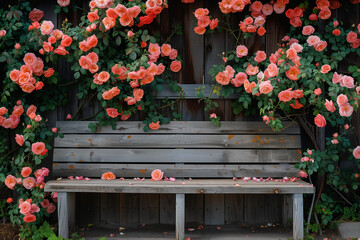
point(66, 205)
point(298, 216)
point(180, 216)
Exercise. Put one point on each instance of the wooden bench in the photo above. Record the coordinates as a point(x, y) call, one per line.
point(211, 156)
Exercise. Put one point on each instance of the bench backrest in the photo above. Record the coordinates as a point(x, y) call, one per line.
point(195, 149)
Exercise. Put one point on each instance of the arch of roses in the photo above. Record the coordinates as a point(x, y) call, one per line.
point(115, 59)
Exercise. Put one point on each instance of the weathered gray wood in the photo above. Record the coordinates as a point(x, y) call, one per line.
point(176, 170)
point(149, 208)
point(176, 155)
point(181, 127)
point(287, 212)
point(180, 216)
point(272, 208)
point(298, 216)
point(234, 209)
point(167, 208)
point(63, 214)
point(214, 209)
point(177, 141)
point(199, 186)
point(71, 210)
point(129, 210)
point(190, 92)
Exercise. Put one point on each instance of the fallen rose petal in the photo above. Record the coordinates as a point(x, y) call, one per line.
point(191, 229)
point(122, 178)
point(71, 177)
point(79, 178)
point(172, 179)
point(87, 179)
point(234, 178)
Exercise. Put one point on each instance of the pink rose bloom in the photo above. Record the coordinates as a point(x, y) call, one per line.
point(39, 180)
point(320, 121)
point(266, 119)
point(260, 56)
point(297, 47)
point(267, 9)
point(346, 110)
point(347, 81)
point(54, 130)
point(241, 51)
point(330, 105)
point(358, 90)
point(45, 203)
point(213, 115)
point(351, 37)
point(271, 71)
point(29, 182)
point(63, 3)
point(346, 126)
point(303, 174)
point(342, 100)
point(51, 208)
point(25, 207)
point(251, 70)
point(313, 40)
point(46, 27)
point(356, 152)
point(19, 139)
point(265, 87)
point(2, 33)
point(336, 78)
point(334, 141)
point(336, 23)
point(308, 30)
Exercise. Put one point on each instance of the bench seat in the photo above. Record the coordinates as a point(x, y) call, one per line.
point(212, 156)
point(213, 186)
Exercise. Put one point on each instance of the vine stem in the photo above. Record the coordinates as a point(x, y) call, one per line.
point(341, 195)
point(81, 105)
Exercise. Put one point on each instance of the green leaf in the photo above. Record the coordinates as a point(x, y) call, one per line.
point(118, 40)
point(133, 56)
point(76, 75)
point(331, 168)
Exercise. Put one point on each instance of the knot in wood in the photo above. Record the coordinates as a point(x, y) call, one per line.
point(202, 191)
point(276, 191)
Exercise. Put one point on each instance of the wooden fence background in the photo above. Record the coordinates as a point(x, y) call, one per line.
point(199, 54)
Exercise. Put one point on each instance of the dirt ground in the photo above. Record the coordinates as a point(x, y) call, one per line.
point(8, 232)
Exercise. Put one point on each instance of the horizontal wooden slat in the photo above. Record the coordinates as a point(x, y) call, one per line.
point(178, 141)
point(190, 92)
point(176, 155)
point(148, 186)
point(180, 127)
point(176, 170)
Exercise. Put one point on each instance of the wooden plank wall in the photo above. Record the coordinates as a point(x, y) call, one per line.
point(199, 53)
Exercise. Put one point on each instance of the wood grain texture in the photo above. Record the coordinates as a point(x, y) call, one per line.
point(177, 141)
point(63, 213)
point(194, 211)
point(167, 208)
point(176, 170)
point(220, 186)
point(180, 216)
point(298, 216)
point(180, 127)
point(219, 156)
point(234, 209)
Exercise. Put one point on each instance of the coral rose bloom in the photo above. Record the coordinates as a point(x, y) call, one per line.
point(29, 218)
point(356, 152)
point(154, 126)
point(175, 66)
point(112, 112)
point(308, 30)
point(320, 121)
point(325, 68)
point(313, 40)
point(286, 95)
point(260, 56)
point(38, 148)
point(330, 106)
point(19, 139)
point(108, 176)
point(25, 172)
point(293, 73)
point(222, 78)
point(10, 181)
point(157, 175)
point(166, 49)
point(103, 76)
